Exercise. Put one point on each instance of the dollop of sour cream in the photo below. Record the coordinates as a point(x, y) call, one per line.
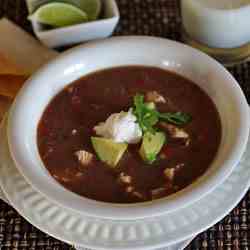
point(120, 127)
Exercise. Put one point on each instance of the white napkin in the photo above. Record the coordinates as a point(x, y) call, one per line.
point(27, 52)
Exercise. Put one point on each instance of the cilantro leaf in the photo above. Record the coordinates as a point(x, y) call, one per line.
point(147, 117)
point(138, 110)
point(178, 118)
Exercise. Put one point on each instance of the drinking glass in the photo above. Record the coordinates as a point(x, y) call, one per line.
point(220, 28)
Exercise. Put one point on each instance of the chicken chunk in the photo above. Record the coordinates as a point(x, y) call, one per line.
point(169, 173)
point(158, 193)
point(74, 132)
point(179, 166)
point(175, 131)
point(125, 179)
point(154, 96)
point(187, 143)
point(84, 157)
point(138, 195)
point(129, 189)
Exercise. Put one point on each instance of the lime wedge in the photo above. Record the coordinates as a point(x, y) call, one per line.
point(59, 15)
point(91, 7)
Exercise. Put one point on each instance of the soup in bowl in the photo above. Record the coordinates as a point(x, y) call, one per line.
point(128, 135)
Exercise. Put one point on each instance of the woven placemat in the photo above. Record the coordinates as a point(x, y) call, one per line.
point(138, 17)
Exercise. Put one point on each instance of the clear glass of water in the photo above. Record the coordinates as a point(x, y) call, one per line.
point(220, 28)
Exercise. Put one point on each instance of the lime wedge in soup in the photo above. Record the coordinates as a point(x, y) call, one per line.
point(59, 15)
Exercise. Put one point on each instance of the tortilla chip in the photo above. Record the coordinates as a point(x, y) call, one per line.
point(8, 67)
point(21, 48)
point(5, 103)
point(10, 84)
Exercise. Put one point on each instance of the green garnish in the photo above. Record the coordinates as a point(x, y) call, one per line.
point(177, 118)
point(148, 117)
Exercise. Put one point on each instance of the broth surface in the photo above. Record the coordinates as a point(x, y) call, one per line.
point(67, 125)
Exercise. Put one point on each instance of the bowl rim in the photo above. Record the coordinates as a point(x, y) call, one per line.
point(137, 210)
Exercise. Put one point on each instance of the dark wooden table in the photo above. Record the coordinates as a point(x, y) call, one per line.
point(138, 17)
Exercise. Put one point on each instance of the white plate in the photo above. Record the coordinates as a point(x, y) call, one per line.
point(143, 234)
point(42, 87)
